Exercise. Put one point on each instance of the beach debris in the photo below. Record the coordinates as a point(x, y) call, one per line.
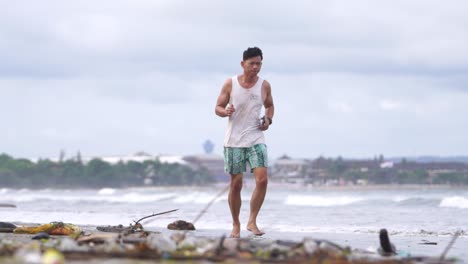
point(426, 232)
point(386, 247)
point(163, 246)
point(7, 205)
point(203, 211)
point(115, 229)
point(161, 243)
point(152, 215)
point(181, 225)
point(137, 227)
point(53, 228)
point(52, 256)
point(29, 253)
point(6, 227)
point(427, 242)
point(97, 238)
point(41, 235)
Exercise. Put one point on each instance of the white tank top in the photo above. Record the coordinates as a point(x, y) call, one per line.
point(242, 130)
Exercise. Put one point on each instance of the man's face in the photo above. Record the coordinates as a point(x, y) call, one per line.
point(252, 65)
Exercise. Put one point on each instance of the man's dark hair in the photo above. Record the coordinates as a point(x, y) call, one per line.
point(252, 52)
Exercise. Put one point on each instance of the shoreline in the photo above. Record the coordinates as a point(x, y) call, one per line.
point(248, 182)
point(275, 184)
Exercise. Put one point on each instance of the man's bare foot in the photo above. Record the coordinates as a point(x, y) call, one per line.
point(254, 229)
point(235, 231)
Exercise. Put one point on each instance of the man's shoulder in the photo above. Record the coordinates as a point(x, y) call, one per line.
point(228, 81)
point(227, 85)
point(266, 84)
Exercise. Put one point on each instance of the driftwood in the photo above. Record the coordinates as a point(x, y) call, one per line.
point(7, 205)
point(202, 212)
point(428, 243)
point(114, 229)
point(132, 228)
point(6, 230)
point(143, 218)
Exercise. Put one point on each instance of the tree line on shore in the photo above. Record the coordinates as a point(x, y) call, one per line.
point(23, 173)
point(376, 172)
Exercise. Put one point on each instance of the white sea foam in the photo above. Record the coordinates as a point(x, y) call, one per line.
point(141, 198)
point(400, 198)
point(106, 191)
point(321, 201)
point(125, 198)
point(454, 202)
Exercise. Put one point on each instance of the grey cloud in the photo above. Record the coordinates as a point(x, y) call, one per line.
point(352, 78)
point(337, 36)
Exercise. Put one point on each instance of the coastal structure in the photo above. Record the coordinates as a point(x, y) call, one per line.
point(288, 170)
point(212, 163)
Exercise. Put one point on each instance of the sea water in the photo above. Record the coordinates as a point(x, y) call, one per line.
point(353, 216)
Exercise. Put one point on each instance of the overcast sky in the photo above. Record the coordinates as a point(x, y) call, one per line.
point(350, 78)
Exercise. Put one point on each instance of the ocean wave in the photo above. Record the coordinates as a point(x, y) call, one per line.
point(454, 202)
point(139, 198)
point(321, 201)
point(399, 199)
point(106, 191)
point(125, 198)
point(419, 201)
point(198, 198)
point(365, 230)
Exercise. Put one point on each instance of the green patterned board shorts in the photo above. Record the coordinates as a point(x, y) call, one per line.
point(235, 159)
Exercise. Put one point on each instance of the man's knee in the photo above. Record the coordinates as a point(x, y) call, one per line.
point(236, 183)
point(261, 177)
point(262, 180)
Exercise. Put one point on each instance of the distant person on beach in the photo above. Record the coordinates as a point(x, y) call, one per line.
point(241, 99)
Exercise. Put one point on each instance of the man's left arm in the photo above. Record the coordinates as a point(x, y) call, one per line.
point(269, 106)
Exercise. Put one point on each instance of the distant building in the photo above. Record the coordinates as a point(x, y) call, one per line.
point(137, 157)
point(286, 169)
point(172, 159)
point(213, 163)
point(386, 165)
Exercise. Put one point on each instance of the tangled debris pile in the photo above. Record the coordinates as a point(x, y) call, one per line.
point(54, 228)
point(181, 246)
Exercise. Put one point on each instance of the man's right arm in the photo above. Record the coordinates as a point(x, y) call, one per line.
point(223, 99)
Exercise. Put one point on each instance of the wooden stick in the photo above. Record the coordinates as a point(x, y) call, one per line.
point(449, 246)
point(202, 212)
point(155, 215)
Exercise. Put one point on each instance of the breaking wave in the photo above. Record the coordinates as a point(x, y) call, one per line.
point(106, 191)
point(454, 202)
point(123, 198)
point(320, 201)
